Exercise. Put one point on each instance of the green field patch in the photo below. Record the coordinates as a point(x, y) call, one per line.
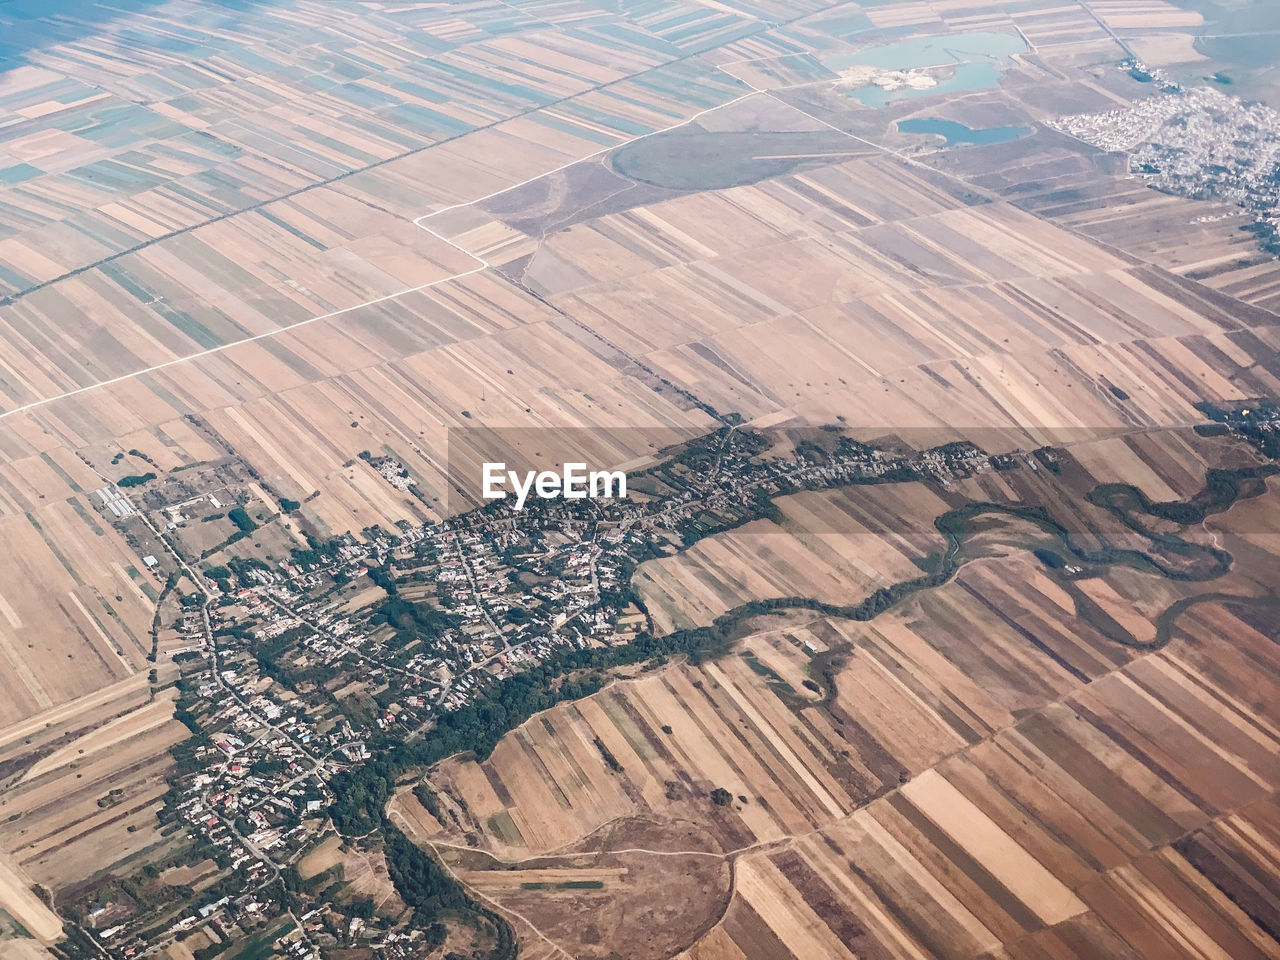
point(564, 885)
point(502, 826)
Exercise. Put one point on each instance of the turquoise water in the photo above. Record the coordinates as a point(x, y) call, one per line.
point(976, 61)
point(955, 133)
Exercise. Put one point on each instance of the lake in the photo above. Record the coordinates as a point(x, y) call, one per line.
point(955, 133)
point(976, 61)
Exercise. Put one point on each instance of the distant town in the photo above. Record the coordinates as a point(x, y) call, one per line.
point(1198, 142)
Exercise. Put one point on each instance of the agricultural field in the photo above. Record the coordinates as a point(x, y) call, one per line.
point(18, 942)
point(840, 546)
point(325, 856)
point(80, 784)
point(904, 746)
point(85, 789)
point(32, 923)
point(85, 626)
point(1041, 841)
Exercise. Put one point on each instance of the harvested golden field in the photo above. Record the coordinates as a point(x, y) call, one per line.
point(17, 941)
point(915, 311)
point(25, 949)
point(82, 783)
point(392, 379)
point(21, 742)
point(18, 900)
point(76, 604)
point(326, 855)
point(109, 736)
point(153, 256)
point(365, 873)
point(276, 210)
point(840, 546)
point(1203, 256)
point(619, 897)
point(328, 233)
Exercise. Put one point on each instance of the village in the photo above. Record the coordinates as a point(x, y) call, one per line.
point(294, 673)
point(1198, 142)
